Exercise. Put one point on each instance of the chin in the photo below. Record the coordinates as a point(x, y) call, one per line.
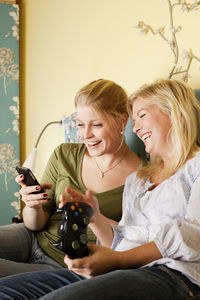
point(148, 150)
point(94, 152)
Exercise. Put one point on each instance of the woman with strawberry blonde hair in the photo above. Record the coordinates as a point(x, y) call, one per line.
point(100, 163)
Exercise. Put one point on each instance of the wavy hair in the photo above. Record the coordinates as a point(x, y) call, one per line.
point(177, 99)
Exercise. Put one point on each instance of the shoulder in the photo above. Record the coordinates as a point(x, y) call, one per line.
point(134, 185)
point(188, 174)
point(192, 167)
point(69, 149)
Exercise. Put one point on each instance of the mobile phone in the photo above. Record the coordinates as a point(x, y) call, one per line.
point(29, 178)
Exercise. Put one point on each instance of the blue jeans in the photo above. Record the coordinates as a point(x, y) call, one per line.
point(154, 283)
point(20, 252)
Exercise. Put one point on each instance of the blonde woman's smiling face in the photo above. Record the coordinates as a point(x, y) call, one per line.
point(96, 133)
point(152, 126)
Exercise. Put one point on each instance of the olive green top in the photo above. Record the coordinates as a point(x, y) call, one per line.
point(64, 170)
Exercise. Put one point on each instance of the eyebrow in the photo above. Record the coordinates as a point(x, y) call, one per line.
point(133, 120)
point(95, 120)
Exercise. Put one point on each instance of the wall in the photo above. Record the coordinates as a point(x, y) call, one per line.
point(66, 44)
point(9, 112)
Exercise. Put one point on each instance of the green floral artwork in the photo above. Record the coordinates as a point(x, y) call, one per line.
point(9, 112)
point(8, 69)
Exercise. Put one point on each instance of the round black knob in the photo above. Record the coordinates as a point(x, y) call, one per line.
point(83, 238)
point(75, 245)
point(75, 227)
point(85, 221)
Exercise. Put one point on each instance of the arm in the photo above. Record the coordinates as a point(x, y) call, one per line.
point(34, 219)
point(174, 239)
point(40, 206)
point(34, 216)
point(178, 239)
point(177, 228)
point(102, 260)
point(101, 226)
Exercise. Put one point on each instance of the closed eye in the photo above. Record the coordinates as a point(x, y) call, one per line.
point(79, 124)
point(142, 115)
point(97, 125)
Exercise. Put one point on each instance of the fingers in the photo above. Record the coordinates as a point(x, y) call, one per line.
point(35, 203)
point(79, 263)
point(75, 195)
point(19, 179)
point(64, 199)
point(92, 248)
point(80, 266)
point(29, 195)
point(90, 196)
point(33, 200)
point(85, 266)
point(89, 193)
point(25, 190)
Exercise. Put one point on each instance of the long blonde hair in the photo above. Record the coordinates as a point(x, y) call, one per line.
point(177, 99)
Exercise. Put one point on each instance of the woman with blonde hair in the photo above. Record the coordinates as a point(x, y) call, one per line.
point(101, 163)
point(177, 100)
point(154, 251)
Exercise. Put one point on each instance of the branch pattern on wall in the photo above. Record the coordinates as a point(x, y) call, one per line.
point(188, 55)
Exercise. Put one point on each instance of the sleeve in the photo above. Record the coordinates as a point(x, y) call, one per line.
point(62, 170)
point(180, 238)
point(50, 176)
point(118, 229)
point(126, 234)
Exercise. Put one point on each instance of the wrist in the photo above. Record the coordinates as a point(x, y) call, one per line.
point(96, 218)
point(32, 208)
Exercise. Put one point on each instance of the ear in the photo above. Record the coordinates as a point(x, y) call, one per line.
point(124, 120)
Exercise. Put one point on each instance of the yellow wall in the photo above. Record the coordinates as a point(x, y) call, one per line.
point(68, 43)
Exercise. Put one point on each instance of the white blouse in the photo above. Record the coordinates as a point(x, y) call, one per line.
point(169, 215)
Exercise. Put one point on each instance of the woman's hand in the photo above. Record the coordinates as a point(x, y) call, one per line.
point(100, 260)
point(32, 200)
point(88, 198)
point(99, 224)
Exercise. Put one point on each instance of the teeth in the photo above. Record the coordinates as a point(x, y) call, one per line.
point(92, 143)
point(146, 136)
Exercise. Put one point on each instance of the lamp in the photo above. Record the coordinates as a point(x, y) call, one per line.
point(31, 159)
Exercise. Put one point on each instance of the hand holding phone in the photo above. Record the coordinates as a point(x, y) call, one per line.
point(29, 178)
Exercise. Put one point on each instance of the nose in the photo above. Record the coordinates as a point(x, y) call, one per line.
point(87, 132)
point(136, 127)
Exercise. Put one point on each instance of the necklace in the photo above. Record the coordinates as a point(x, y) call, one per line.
point(103, 172)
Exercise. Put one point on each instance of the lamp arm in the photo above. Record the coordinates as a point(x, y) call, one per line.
point(41, 133)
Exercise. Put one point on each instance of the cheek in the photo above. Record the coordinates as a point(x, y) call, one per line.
point(164, 131)
point(167, 125)
point(80, 131)
point(115, 140)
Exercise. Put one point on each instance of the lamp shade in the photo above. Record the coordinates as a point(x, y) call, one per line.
point(31, 159)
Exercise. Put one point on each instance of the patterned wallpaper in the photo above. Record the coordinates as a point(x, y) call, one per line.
point(9, 111)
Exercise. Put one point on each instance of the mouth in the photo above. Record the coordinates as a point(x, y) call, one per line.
point(93, 144)
point(146, 136)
